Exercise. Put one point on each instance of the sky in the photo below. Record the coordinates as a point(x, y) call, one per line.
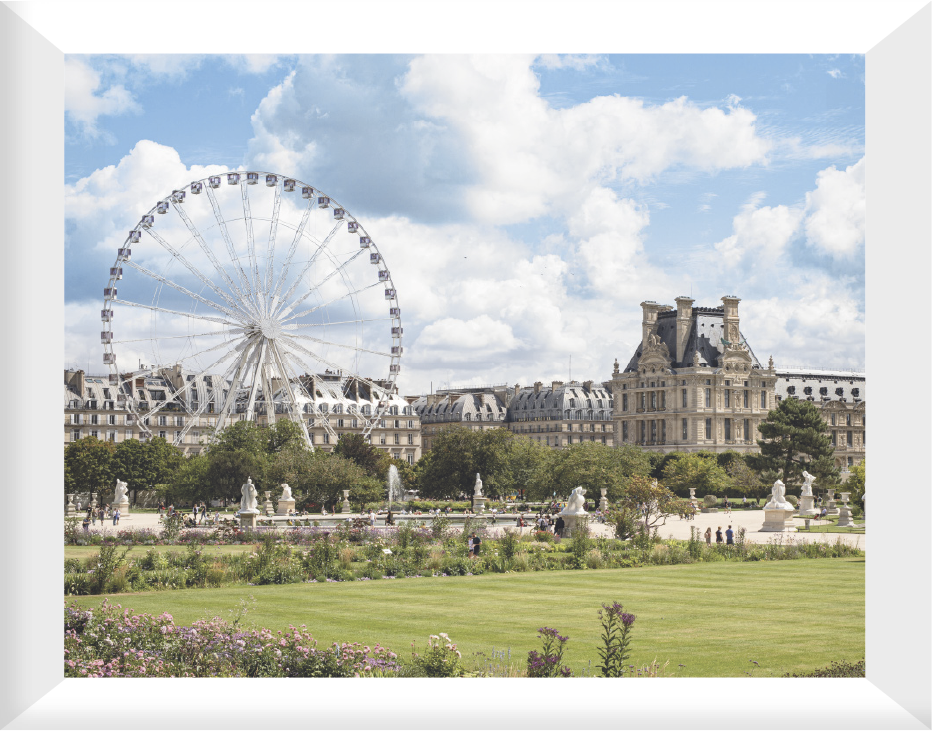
point(525, 205)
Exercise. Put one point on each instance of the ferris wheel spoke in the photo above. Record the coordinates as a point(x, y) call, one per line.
point(208, 283)
point(309, 264)
point(297, 326)
point(283, 275)
point(300, 348)
point(207, 250)
point(213, 334)
point(333, 301)
point(292, 401)
point(251, 247)
point(250, 406)
point(207, 318)
point(339, 345)
point(234, 388)
point(273, 232)
point(203, 300)
point(313, 288)
point(225, 232)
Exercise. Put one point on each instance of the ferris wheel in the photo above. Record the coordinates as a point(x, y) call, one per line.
point(233, 293)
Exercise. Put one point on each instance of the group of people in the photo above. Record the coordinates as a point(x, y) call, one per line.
point(100, 513)
point(728, 539)
point(473, 545)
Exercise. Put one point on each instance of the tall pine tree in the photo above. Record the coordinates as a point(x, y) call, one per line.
point(795, 439)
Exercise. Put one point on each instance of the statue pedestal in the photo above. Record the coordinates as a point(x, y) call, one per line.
point(69, 508)
point(123, 508)
point(478, 504)
point(844, 517)
point(284, 506)
point(807, 505)
point(571, 521)
point(247, 518)
point(777, 520)
point(346, 506)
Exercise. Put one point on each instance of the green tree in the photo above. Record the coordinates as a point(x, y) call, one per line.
point(457, 454)
point(229, 469)
point(696, 471)
point(746, 481)
point(795, 438)
point(594, 466)
point(324, 477)
point(141, 465)
point(283, 434)
point(190, 483)
point(373, 461)
point(856, 482)
point(89, 465)
point(530, 465)
point(645, 502)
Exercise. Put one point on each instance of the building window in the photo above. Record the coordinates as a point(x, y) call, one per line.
point(684, 398)
point(708, 428)
point(326, 439)
point(747, 396)
point(833, 419)
point(643, 430)
point(111, 419)
point(653, 430)
point(653, 400)
point(410, 439)
point(727, 429)
point(410, 459)
point(94, 419)
point(763, 399)
point(851, 461)
point(708, 397)
point(834, 438)
point(624, 402)
point(381, 439)
point(76, 418)
point(747, 430)
point(624, 431)
point(685, 429)
point(75, 435)
point(128, 434)
point(643, 401)
point(312, 438)
point(850, 441)
point(162, 435)
point(727, 398)
point(847, 419)
point(177, 436)
point(663, 431)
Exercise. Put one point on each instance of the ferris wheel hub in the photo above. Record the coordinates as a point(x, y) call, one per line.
point(270, 328)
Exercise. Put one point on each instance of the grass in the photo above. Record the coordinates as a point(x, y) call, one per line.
point(830, 528)
point(789, 616)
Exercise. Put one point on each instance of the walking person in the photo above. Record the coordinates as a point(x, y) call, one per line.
point(559, 525)
point(86, 524)
point(729, 537)
point(708, 536)
point(718, 535)
point(116, 517)
point(476, 543)
point(469, 544)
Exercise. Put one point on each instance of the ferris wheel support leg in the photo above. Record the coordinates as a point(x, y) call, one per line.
point(295, 408)
point(250, 407)
point(231, 395)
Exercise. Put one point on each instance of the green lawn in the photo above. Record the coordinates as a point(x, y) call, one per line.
point(830, 528)
point(790, 616)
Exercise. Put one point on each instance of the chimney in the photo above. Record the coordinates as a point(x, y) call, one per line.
point(649, 321)
point(730, 303)
point(537, 385)
point(587, 385)
point(75, 379)
point(556, 384)
point(684, 312)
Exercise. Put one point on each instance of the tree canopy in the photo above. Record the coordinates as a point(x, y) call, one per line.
point(795, 438)
point(698, 471)
point(457, 454)
point(89, 466)
point(593, 466)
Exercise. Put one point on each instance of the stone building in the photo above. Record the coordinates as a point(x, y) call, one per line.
point(693, 383)
point(94, 407)
point(479, 408)
point(562, 413)
point(840, 397)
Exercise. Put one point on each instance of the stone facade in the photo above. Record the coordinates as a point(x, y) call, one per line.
point(693, 383)
point(93, 407)
point(477, 409)
point(563, 413)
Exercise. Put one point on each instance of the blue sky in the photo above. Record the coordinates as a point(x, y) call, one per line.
point(526, 206)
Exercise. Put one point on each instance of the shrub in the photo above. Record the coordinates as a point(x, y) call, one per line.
point(580, 545)
point(793, 500)
point(616, 637)
point(509, 543)
point(440, 660)
point(543, 536)
point(710, 501)
point(838, 669)
point(548, 664)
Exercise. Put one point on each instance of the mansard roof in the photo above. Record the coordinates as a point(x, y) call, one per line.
point(706, 327)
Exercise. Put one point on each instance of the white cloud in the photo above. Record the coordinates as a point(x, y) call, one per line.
point(577, 62)
point(479, 337)
point(836, 73)
point(171, 65)
point(836, 210)
point(86, 100)
point(532, 159)
point(761, 234)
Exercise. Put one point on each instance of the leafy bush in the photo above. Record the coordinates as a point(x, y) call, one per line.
point(838, 669)
point(440, 660)
point(710, 501)
point(549, 663)
point(616, 637)
point(509, 543)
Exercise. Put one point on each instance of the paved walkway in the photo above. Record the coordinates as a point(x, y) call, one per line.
point(750, 520)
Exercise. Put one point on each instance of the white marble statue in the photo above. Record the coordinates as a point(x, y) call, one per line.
point(807, 485)
point(119, 496)
point(249, 501)
point(576, 505)
point(778, 499)
point(286, 492)
point(477, 492)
